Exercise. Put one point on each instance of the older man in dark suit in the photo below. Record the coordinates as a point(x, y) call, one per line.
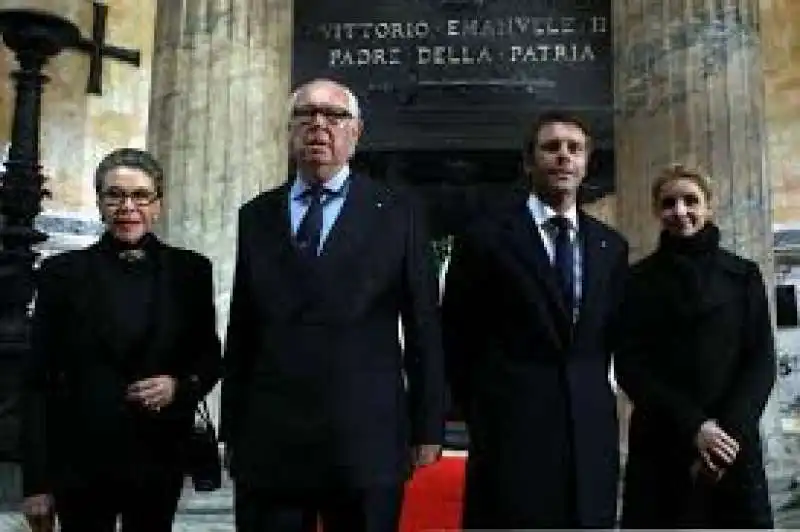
point(324, 414)
point(528, 313)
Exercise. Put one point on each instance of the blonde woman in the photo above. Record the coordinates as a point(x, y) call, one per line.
point(697, 360)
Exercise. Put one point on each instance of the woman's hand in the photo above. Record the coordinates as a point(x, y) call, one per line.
point(715, 445)
point(153, 393)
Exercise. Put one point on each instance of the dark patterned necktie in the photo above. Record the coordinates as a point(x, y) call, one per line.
point(309, 231)
point(564, 261)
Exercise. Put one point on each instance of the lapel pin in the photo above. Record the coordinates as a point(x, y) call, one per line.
point(379, 204)
point(602, 243)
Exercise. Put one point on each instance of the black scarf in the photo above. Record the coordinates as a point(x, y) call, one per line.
point(701, 244)
point(685, 265)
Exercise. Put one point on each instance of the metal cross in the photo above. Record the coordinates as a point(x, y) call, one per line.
point(98, 50)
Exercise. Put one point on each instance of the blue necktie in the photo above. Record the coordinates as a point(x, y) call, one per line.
point(564, 261)
point(309, 231)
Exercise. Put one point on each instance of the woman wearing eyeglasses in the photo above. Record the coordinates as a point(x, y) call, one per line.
point(124, 347)
point(697, 360)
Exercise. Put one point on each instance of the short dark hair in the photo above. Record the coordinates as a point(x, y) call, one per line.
point(130, 158)
point(553, 117)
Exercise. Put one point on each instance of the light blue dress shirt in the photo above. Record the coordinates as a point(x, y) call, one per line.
point(331, 203)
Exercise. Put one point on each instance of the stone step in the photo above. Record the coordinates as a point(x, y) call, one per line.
point(213, 512)
point(211, 503)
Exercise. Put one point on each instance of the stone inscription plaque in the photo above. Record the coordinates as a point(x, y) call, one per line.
point(447, 56)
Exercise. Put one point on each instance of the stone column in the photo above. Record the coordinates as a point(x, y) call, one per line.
point(689, 87)
point(218, 118)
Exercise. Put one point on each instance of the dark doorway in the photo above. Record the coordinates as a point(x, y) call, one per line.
point(456, 184)
point(451, 184)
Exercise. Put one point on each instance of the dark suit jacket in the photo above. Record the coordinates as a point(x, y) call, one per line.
point(317, 390)
point(687, 356)
point(534, 388)
point(77, 426)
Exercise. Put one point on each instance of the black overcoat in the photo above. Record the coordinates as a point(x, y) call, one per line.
point(534, 386)
point(688, 355)
point(78, 428)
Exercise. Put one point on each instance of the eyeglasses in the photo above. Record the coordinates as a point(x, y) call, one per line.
point(305, 115)
point(141, 197)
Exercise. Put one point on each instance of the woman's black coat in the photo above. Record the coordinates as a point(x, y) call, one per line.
point(697, 344)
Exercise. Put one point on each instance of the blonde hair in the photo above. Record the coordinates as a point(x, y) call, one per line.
point(677, 171)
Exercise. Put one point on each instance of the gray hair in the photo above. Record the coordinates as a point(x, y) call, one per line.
point(130, 158)
point(352, 101)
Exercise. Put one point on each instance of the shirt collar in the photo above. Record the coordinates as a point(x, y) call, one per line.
point(334, 184)
point(542, 212)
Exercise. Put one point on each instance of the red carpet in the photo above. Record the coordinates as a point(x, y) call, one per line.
point(433, 497)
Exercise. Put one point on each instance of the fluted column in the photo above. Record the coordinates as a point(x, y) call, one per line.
point(689, 88)
point(221, 76)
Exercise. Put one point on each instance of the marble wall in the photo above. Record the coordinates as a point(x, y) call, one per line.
point(79, 128)
point(780, 25)
point(780, 38)
point(603, 209)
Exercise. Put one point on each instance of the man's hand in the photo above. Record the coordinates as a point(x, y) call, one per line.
point(426, 454)
point(38, 511)
point(153, 393)
point(713, 442)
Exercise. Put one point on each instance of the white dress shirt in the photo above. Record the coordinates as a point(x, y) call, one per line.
point(542, 213)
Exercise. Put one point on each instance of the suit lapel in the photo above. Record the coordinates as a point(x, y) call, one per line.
point(293, 279)
point(594, 251)
point(354, 223)
point(276, 228)
point(274, 252)
point(526, 243)
point(530, 248)
point(595, 270)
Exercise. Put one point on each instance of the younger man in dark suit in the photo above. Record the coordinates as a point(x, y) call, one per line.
point(528, 313)
point(323, 413)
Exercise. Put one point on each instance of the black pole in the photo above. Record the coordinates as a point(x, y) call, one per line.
point(20, 196)
point(34, 37)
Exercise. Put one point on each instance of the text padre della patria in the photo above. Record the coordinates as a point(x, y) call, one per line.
point(512, 39)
